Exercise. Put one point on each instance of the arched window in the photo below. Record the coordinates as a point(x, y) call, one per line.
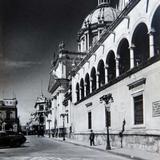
point(77, 92)
point(140, 40)
point(111, 63)
point(124, 56)
point(82, 88)
point(93, 78)
point(101, 70)
point(87, 84)
point(156, 31)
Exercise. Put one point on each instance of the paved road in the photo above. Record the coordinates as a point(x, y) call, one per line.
point(47, 149)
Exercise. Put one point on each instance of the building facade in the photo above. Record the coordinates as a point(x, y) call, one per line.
point(40, 115)
point(121, 45)
point(59, 84)
point(8, 115)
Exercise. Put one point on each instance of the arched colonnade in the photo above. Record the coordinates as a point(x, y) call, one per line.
point(144, 44)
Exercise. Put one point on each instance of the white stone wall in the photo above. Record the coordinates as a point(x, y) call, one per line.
point(123, 101)
point(122, 107)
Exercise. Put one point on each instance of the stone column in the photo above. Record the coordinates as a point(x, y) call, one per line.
point(151, 42)
point(132, 56)
point(117, 66)
point(106, 73)
point(85, 85)
point(80, 93)
point(88, 40)
point(97, 80)
point(91, 81)
point(99, 34)
point(63, 70)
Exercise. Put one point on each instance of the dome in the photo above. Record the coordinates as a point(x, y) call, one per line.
point(101, 14)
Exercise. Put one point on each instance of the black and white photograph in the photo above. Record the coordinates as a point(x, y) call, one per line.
point(79, 79)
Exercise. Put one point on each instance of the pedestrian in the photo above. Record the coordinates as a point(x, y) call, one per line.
point(91, 138)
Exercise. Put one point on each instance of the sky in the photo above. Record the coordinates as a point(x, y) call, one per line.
point(30, 31)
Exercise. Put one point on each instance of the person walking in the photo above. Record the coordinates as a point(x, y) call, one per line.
point(91, 138)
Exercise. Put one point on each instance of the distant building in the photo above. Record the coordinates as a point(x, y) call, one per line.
point(59, 83)
point(8, 115)
point(118, 55)
point(40, 114)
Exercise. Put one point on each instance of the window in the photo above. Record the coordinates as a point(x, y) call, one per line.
point(41, 119)
point(82, 88)
point(8, 115)
point(89, 120)
point(41, 108)
point(77, 92)
point(138, 109)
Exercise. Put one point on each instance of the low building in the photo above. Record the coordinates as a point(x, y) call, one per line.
point(8, 115)
point(40, 114)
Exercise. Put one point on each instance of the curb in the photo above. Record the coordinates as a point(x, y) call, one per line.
point(102, 150)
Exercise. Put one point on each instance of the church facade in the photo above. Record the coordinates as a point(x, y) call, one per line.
point(118, 56)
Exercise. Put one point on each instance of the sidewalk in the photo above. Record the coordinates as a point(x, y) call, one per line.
point(136, 154)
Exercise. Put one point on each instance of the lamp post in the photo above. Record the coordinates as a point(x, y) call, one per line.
point(49, 122)
point(63, 118)
point(108, 99)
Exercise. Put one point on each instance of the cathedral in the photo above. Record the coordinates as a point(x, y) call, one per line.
point(111, 83)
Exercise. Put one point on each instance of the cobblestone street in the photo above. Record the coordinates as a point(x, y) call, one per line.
point(45, 149)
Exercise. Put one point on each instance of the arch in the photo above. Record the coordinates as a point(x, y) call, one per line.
point(155, 25)
point(124, 56)
point(87, 84)
point(140, 40)
point(93, 79)
point(101, 70)
point(82, 88)
point(111, 64)
point(77, 92)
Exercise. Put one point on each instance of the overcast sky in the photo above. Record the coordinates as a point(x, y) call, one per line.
point(30, 31)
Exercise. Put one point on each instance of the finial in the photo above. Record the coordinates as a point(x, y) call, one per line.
point(61, 46)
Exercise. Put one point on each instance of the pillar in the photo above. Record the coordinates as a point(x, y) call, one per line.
point(117, 66)
point(99, 34)
point(63, 70)
point(88, 40)
point(97, 80)
point(80, 93)
point(151, 42)
point(91, 83)
point(85, 84)
point(132, 56)
point(106, 73)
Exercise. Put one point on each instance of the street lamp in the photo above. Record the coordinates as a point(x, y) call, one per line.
point(49, 122)
point(108, 99)
point(63, 117)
